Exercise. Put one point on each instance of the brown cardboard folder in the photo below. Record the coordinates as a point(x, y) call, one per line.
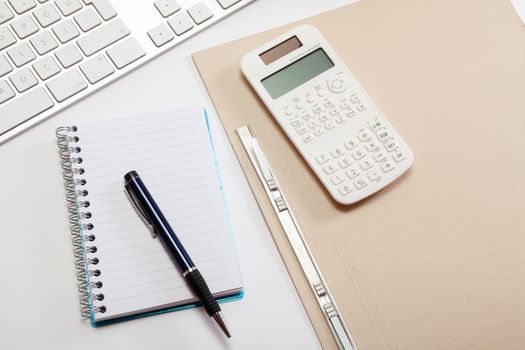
point(436, 260)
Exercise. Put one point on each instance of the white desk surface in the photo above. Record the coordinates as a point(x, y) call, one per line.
point(38, 298)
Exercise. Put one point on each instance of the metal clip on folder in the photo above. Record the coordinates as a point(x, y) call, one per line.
point(295, 237)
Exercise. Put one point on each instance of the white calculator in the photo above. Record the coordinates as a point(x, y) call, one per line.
point(334, 124)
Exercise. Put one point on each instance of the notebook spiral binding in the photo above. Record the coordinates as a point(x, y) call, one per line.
point(84, 247)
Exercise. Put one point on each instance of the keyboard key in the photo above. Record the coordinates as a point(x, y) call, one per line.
point(66, 31)
point(200, 13)
point(46, 15)
point(225, 4)
point(44, 42)
point(23, 108)
point(68, 7)
point(97, 69)
point(387, 166)
point(329, 169)
point(6, 93)
point(125, 53)
point(345, 189)
point(103, 7)
point(23, 80)
point(21, 54)
point(68, 55)
point(180, 23)
point(167, 7)
point(5, 66)
point(87, 19)
point(160, 35)
point(46, 68)
point(5, 13)
point(22, 6)
point(337, 179)
point(24, 26)
point(360, 183)
point(103, 37)
point(66, 85)
point(322, 158)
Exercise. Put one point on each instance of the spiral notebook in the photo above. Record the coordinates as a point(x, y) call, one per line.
point(123, 272)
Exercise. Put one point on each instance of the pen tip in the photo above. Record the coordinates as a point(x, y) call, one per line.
point(222, 324)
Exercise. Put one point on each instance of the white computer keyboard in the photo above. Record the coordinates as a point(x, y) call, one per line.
point(55, 52)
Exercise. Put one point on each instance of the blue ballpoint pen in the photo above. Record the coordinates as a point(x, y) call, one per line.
point(159, 226)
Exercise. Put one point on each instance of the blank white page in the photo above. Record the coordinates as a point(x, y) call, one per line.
point(173, 155)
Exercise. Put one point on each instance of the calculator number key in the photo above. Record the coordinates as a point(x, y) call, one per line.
point(322, 158)
point(338, 152)
point(358, 154)
point(337, 179)
point(352, 173)
point(345, 189)
point(329, 169)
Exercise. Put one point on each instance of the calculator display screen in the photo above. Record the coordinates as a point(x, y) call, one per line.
point(297, 73)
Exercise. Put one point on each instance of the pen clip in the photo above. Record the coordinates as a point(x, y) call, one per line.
point(141, 212)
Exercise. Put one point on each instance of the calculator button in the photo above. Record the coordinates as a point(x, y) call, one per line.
point(391, 146)
point(374, 175)
point(364, 135)
point(334, 112)
point(310, 99)
point(340, 119)
point(321, 93)
point(288, 111)
point(399, 156)
point(375, 125)
point(345, 162)
point(345, 189)
point(308, 138)
point(318, 131)
point(307, 116)
point(358, 154)
point(360, 183)
point(295, 122)
point(361, 107)
point(379, 157)
point(299, 105)
point(337, 85)
point(365, 164)
point(372, 147)
point(350, 114)
point(354, 98)
point(387, 166)
point(329, 125)
point(336, 179)
point(317, 109)
point(322, 158)
point(329, 104)
point(323, 117)
point(329, 169)
point(338, 152)
point(383, 135)
point(302, 130)
point(352, 173)
point(312, 123)
point(351, 144)
point(344, 104)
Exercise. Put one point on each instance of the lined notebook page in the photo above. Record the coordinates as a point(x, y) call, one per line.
point(172, 153)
